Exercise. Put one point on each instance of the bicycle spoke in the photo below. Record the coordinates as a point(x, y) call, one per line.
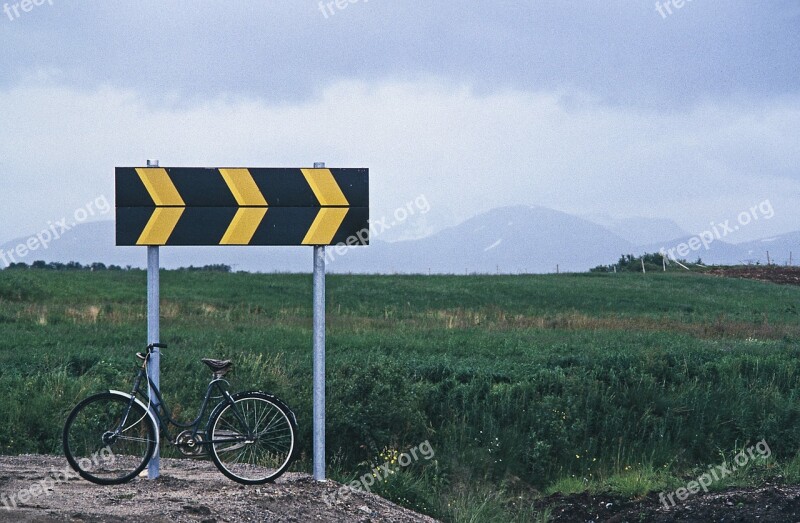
point(128, 438)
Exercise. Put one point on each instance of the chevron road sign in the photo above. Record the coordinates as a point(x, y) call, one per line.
point(241, 206)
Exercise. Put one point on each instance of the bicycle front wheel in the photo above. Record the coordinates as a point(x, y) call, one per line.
point(104, 445)
point(253, 440)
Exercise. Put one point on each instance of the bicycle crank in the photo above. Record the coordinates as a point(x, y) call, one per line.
point(189, 445)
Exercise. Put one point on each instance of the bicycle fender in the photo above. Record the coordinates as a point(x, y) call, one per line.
point(270, 397)
point(278, 401)
point(144, 407)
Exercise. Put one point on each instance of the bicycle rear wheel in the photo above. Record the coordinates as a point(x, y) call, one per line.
point(93, 448)
point(254, 442)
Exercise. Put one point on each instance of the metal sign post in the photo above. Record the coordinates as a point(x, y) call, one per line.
point(153, 331)
point(319, 363)
point(319, 358)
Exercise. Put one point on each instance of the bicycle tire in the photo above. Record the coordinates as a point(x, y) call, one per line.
point(99, 459)
point(264, 459)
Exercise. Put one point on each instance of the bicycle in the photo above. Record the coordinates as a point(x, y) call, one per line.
point(110, 437)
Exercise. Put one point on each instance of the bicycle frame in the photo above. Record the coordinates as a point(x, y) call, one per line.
point(164, 417)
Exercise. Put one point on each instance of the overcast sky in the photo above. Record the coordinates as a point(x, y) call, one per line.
point(589, 107)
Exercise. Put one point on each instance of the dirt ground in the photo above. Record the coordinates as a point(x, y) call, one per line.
point(771, 273)
point(768, 504)
point(187, 491)
point(194, 491)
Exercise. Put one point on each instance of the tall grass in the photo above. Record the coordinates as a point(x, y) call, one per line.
point(522, 384)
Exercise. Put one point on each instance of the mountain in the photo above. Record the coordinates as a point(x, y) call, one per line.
point(638, 230)
point(506, 240)
point(782, 249)
point(420, 225)
point(718, 252)
point(95, 242)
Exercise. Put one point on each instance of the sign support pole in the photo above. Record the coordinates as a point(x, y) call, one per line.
point(319, 358)
point(153, 333)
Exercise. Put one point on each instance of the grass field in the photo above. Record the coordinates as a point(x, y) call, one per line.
point(522, 384)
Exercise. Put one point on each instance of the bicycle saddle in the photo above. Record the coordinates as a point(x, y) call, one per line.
point(218, 366)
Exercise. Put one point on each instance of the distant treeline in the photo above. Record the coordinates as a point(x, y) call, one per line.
point(652, 262)
point(75, 266)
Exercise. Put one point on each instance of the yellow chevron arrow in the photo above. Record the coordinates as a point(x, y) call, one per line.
point(325, 226)
point(160, 226)
point(243, 187)
point(325, 187)
point(160, 186)
point(244, 226)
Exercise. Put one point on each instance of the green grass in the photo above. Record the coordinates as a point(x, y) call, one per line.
point(523, 384)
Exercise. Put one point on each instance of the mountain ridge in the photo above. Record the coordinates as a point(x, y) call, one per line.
point(508, 240)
